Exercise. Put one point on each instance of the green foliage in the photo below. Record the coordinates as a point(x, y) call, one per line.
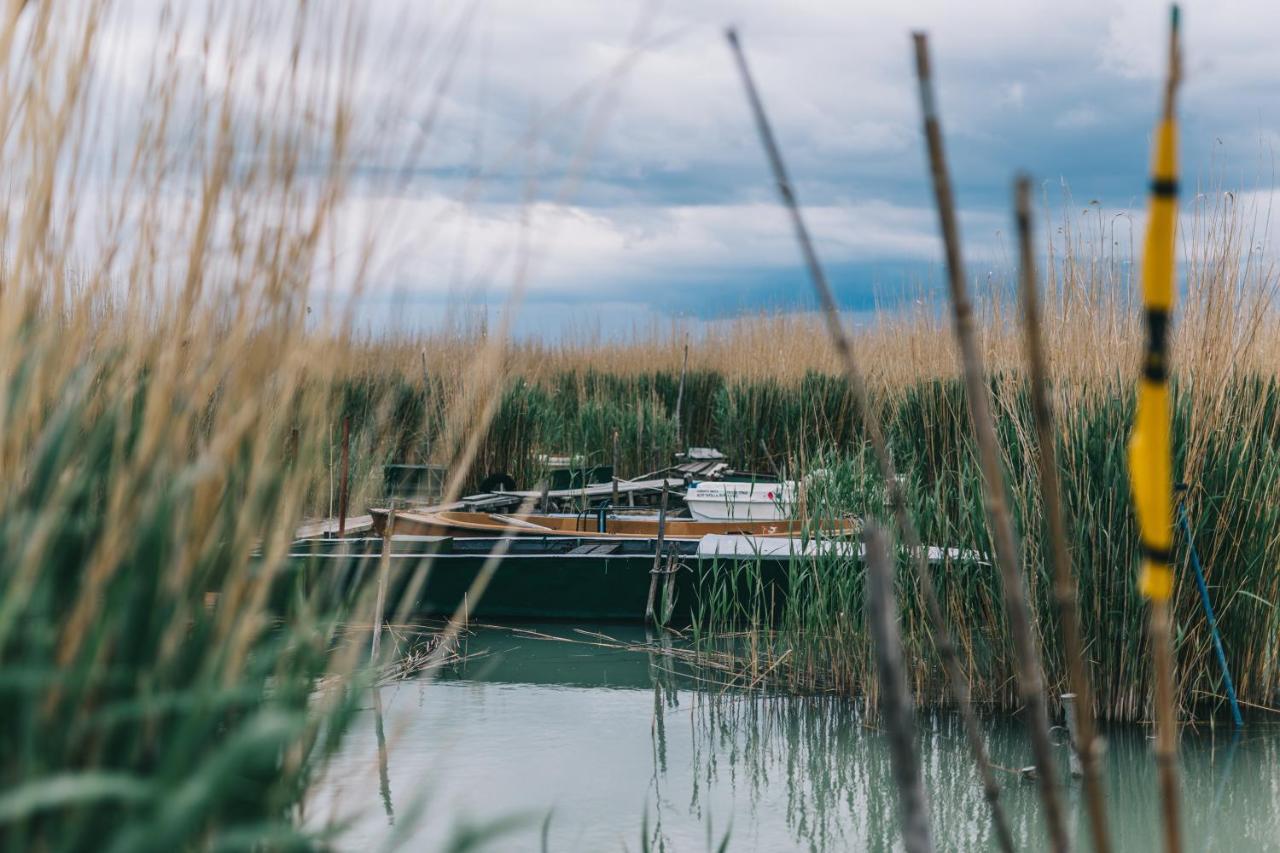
point(138, 715)
point(1230, 450)
point(1232, 460)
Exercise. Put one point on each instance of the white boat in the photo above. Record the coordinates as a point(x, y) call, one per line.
point(722, 501)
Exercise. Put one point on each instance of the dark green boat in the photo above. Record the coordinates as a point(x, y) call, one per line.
point(582, 579)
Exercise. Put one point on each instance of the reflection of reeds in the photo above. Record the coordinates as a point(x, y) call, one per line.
point(896, 704)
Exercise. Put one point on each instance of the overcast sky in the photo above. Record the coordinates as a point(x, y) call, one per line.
point(617, 134)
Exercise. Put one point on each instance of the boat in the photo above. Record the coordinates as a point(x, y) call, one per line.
point(578, 578)
point(601, 523)
point(563, 577)
point(737, 501)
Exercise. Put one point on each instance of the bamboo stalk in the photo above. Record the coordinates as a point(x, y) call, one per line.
point(957, 679)
point(1064, 584)
point(1150, 446)
point(896, 703)
point(1018, 611)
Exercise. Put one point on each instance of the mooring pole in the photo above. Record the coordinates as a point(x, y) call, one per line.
point(343, 483)
point(384, 569)
point(657, 554)
point(1208, 607)
point(1069, 711)
point(684, 366)
point(669, 588)
point(613, 502)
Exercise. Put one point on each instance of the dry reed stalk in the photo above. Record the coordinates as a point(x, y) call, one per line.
point(1064, 584)
point(999, 520)
point(896, 703)
point(957, 681)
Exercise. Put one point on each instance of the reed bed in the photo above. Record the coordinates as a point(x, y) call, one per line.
point(170, 409)
point(766, 392)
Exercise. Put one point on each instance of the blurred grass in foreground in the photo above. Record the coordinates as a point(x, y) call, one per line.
point(163, 415)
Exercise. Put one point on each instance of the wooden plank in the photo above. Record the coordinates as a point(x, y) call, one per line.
point(329, 527)
point(363, 523)
point(600, 489)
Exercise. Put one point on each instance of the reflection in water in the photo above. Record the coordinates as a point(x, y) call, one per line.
point(618, 745)
point(384, 776)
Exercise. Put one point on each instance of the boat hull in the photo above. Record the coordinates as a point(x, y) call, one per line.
point(590, 581)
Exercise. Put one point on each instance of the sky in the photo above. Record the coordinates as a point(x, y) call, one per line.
point(602, 153)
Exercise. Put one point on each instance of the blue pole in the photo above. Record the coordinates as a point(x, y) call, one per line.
point(1208, 612)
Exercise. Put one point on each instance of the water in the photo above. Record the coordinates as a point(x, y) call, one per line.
point(614, 746)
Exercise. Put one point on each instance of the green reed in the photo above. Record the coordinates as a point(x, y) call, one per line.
point(1232, 461)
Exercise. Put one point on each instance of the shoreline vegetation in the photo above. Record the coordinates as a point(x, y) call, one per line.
point(169, 414)
point(765, 390)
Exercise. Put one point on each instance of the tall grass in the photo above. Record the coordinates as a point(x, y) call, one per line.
point(164, 407)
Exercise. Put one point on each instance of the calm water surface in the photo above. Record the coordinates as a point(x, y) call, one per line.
point(594, 748)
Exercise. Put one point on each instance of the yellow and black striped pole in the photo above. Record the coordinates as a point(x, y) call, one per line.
point(1150, 447)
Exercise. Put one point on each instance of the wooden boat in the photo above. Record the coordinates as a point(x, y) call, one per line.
point(591, 525)
point(574, 578)
point(567, 577)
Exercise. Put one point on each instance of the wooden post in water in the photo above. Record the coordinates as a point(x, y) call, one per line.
point(684, 366)
point(897, 707)
point(657, 554)
point(344, 481)
point(613, 501)
point(384, 569)
point(671, 565)
point(1069, 711)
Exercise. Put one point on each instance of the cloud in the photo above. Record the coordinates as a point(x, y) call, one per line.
point(636, 174)
point(1075, 118)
